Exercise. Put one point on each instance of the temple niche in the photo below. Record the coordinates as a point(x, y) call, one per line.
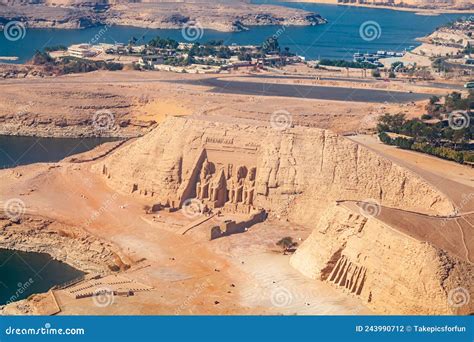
point(228, 187)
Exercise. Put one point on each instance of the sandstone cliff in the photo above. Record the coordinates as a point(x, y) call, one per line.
point(299, 171)
point(392, 272)
point(39, 16)
point(68, 244)
point(216, 15)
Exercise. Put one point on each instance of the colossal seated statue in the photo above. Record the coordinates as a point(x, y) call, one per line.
point(218, 189)
point(249, 187)
point(236, 185)
point(202, 186)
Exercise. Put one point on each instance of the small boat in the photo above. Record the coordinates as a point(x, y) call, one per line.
point(8, 58)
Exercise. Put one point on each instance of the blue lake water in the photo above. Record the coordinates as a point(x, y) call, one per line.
point(26, 150)
point(22, 274)
point(340, 38)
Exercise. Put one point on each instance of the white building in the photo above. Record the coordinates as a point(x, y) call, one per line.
point(81, 51)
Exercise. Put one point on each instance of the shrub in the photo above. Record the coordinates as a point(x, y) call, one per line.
point(375, 73)
point(287, 243)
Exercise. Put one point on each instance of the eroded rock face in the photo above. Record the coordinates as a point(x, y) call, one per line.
point(206, 14)
point(299, 171)
point(424, 4)
point(68, 244)
point(40, 16)
point(391, 272)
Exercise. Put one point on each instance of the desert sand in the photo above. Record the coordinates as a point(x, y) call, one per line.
point(135, 101)
point(174, 269)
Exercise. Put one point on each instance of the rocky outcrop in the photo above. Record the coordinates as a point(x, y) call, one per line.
point(71, 245)
point(72, 111)
point(300, 174)
point(40, 16)
point(216, 15)
point(299, 171)
point(225, 16)
point(391, 272)
point(415, 4)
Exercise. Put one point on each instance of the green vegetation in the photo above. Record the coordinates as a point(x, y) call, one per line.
point(198, 50)
point(425, 147)
point(396, 66)
point(55, 48)
point(347, 64)
point(287, 244)
point(376, 73)
point(163, 43)
point(439, 138)
point(452, 102)
point(271, 45)
point(70, 65)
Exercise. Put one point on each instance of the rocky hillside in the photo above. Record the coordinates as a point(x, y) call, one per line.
point(71, 245)
point(216, 15)
point(391, 272)
point(40, 16)
point(300, 171)
point(422, 4)
point(396, 262)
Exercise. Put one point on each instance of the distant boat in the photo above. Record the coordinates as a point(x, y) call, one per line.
point(8, 58)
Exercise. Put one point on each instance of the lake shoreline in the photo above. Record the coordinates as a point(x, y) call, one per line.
point(67, 273)
point(79, 250)
point(311, 42)
point(418, 11)
point(233, 17)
